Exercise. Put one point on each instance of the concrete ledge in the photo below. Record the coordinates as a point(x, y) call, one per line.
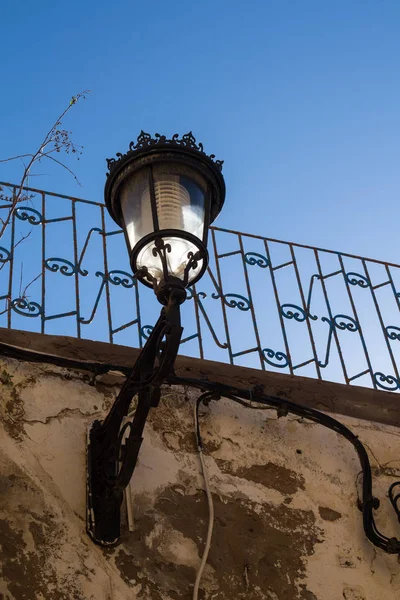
point(349, 400)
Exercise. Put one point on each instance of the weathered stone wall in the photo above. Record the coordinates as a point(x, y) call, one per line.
point(286, 522)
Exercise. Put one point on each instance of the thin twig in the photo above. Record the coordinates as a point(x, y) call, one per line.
point(6, 309)
point(20, 280)
point(23, 238)
point(24, 296)
point(4, 160)
point(60, 140)
point(65, 167)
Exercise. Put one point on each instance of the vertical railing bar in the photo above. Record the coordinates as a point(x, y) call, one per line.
point(306, 312)
point(278, 305)
point(253, 314)
point(43, 302)
point(310, 294)
point(332, 325)
point(107, 284)
point(139, 317)
point(198, 324)
point(354, 309)
point(381, 321)
point(10, 280)
point(222, 297)
point(392, 285)
point(77, 299)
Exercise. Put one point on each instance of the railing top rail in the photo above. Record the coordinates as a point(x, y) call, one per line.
point(221, 229)
point(308, 247)
point(55, 195)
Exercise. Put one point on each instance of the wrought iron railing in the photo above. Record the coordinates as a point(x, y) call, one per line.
point(264, 303)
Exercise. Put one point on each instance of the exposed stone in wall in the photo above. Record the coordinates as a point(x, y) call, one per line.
point(286, 522)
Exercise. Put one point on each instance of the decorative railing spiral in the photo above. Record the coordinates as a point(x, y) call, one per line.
point(263, 303)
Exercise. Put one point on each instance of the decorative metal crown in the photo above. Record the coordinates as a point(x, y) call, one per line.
point(144, 141)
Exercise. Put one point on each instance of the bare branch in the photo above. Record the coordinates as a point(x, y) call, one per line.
point(8, 307)
point(23, 295)
point(20, 279)
point(4, 160)
point(58, 139)
point(73, 101)
point(23, 238)
point(65, 167)
point(37, 174)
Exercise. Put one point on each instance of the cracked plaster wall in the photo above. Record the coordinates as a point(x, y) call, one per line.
point(286, 522)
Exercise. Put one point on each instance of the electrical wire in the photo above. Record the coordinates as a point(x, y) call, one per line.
point(96, 367)
point(209, 496)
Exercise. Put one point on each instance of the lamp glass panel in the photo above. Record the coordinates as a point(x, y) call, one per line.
point(136, 207)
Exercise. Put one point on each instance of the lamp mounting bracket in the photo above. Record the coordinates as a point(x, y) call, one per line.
point(114, 444)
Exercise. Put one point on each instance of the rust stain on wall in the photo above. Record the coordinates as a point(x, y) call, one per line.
point(328, 514)
point(11, 405)
point(256, 550)
point(30, 536)
point(270, 475)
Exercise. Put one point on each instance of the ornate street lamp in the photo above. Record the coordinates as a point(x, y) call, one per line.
point(164, 193)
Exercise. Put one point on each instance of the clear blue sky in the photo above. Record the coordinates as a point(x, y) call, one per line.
point(301, 99)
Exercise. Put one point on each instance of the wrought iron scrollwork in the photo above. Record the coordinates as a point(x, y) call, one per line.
point(191, 295)
point(64, 266)
point(393, 332)
point(253, 258)
point(193, 262)
point(26, 213)
point(358, 279)
point(116, 277)
point(161, 249)
point(189, 141)
point(146, 330)
point(164, 279)
point(145, 140)
point(392, 382)
point(281, 357)
point(292, 311)
point(5, 255)
point(242, 303)
point(339, 321)
point(25, 308)
point(236, 301)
